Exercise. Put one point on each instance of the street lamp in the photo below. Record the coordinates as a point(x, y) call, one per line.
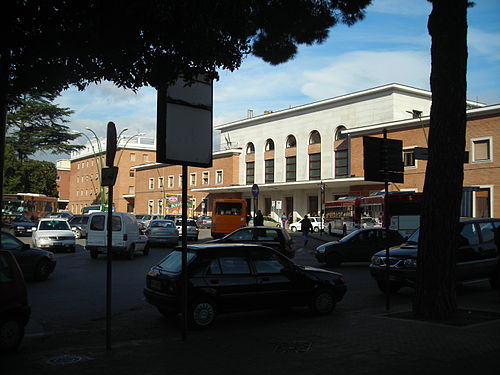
point(99, 171)
point(125, 144)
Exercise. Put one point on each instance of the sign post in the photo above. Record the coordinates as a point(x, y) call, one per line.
point(255, 193)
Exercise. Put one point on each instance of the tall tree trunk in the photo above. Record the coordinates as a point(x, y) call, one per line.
point(435, 296)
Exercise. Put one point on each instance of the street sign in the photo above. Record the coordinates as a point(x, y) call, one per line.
point(109, 176)
point(421, 153)
point(383, 159)
point(110, 145)
point(278, 205)
point(255, 190)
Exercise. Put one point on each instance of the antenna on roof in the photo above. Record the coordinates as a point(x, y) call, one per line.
point(228, 141)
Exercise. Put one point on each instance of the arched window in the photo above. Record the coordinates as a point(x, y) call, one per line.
point(269, 145)
point(338, 133)
point(291, 142)
point(314, 138)
point(250, 148)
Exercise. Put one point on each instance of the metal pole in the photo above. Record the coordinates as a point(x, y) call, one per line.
point(386, 224)
point(109, 268)
point(184, 254)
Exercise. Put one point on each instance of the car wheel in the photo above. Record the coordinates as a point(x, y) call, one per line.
point(316, 229)
point(393, 286)
point(131, 251)
point(146, 250)
point(333, 260)
point(78, 234)
point(294, 229)
point(94, 254)
point(323, 302)
point(42, 270)
point(11, 333)
point(202, 313)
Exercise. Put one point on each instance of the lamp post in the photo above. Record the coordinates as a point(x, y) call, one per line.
point(125, 144)
point(99, 170)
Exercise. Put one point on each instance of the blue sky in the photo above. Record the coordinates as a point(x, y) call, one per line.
point(390, 45)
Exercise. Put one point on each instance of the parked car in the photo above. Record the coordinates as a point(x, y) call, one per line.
point(192, 229)
point(204, 221)
point(14, 309)
point(78, 224)
point(54, 233)
point(476, 257)
point(126, 236)
point(315, 221)
point(18, 225)
point(36, 264)
point(358, 246)
point(146, 219)
point(275, 238)
point(268, 222)
point(162, 232)
point(238, 277)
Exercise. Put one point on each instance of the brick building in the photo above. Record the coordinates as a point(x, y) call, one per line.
point(63, 168)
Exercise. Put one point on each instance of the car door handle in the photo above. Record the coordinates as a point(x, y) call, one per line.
point(214, 281)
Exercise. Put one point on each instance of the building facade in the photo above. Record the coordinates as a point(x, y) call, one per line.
point(292, 154)
point(85, 172)
point(63, 168)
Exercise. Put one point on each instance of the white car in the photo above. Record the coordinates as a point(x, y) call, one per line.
point(54, 233)
point(315, 221)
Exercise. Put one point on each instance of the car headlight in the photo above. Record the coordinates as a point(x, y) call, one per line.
point(410, 262)
point(20, 228)
point(321, 249)
point(376, 260)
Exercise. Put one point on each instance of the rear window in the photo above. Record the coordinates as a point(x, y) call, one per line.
point(173, 262)
point(190, 223)
point(228, 208)
point(162, 224)
point(98, 221)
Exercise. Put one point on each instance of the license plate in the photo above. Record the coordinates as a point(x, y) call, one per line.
point(57, 244)
point(156, 284)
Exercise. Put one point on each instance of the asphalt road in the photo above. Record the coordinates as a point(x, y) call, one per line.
point(74, 297)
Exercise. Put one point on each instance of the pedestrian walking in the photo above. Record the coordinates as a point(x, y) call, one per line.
point(259, 219)
point(284, 219)
point(305, 227)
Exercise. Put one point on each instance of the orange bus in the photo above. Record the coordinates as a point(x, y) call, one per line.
point(34, 206)
point(227, 216)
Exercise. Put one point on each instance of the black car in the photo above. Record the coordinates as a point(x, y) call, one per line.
point(476, 257)
point(78, 224)
point(358, 246)
point(14, 309)
point(18, 225)
point(226, 277)
point(275, 238)
point(36, 264)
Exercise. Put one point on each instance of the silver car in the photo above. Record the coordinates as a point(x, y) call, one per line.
point(162, 232)
point(192, 229)
point(54, 234)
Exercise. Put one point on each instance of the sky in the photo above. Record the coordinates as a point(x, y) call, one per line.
point(391, 45)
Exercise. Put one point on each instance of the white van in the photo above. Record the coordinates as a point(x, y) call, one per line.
point(127, 238)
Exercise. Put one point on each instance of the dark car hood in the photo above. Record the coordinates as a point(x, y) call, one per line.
point(404, 251)
point(23, 224)
point(319, 271)
point(35, 251)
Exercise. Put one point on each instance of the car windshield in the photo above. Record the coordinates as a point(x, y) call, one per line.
point(173, 262)
point(190, 223)
point(54, 225)
point(414, 237)
point(10, 242)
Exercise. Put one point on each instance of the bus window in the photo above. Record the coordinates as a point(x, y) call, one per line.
point(227, 216)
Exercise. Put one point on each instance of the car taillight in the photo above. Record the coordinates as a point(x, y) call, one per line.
point(125, 236)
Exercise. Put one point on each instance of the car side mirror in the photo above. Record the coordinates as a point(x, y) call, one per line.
point(26, 246)
point(33, 229)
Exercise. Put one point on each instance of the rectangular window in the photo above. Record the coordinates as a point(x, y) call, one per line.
point(409, 158)
point(341, 163)
point(160, 182)
point(132, 156)
point(145, 157)
point(192, 180)
point(269, 171)
point(291, 168)
point(204, 178)
point(481, 150)
point(131, 173)
point(218, 177)
point(170, 181)
point(151, 183)
point(315, 166)
point(180, 180)
point(131, 189)
point(250, 173)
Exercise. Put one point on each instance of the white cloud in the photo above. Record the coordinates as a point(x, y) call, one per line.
point(365, 69)
point(484, 43)
point(401, 7)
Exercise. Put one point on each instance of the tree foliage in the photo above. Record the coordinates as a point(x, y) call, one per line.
point(58, 43)
point(35, 124)
point(33, 176)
